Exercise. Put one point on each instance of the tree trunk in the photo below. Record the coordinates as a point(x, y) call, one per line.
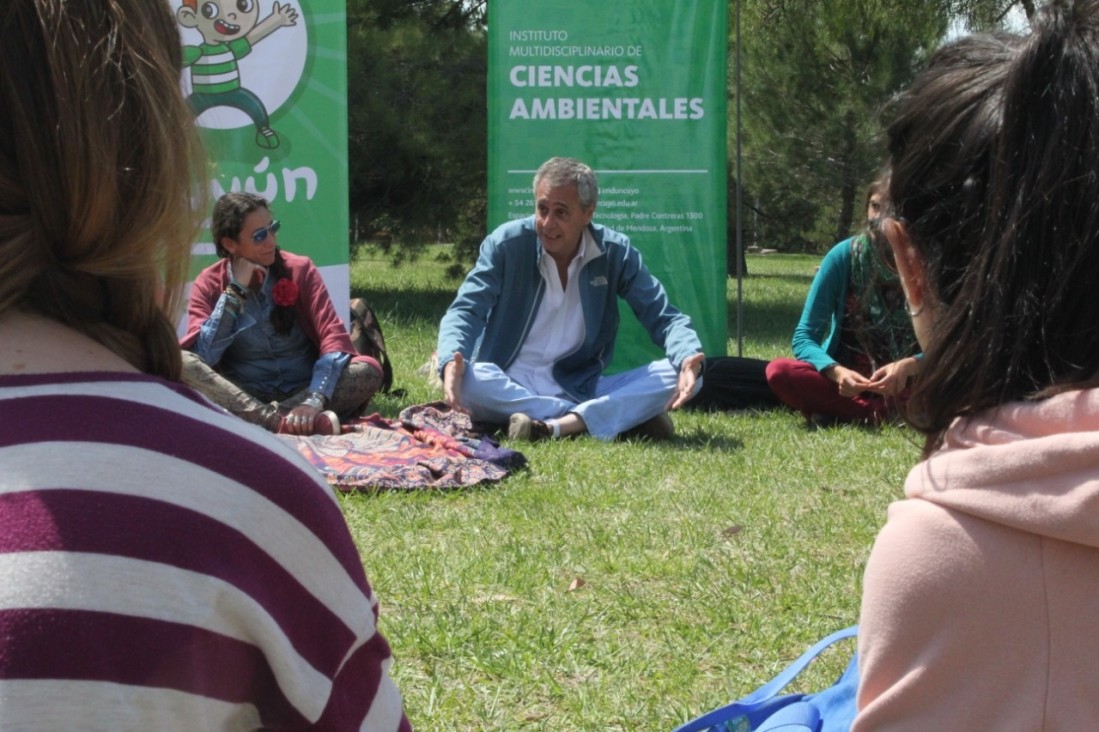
point(849, 183)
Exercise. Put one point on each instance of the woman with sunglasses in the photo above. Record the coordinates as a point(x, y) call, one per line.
point(854, 349)
point(981, 593)
point(263, 339)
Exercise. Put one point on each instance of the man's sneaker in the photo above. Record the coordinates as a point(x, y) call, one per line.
point(657, 429)
point(326, 423)
point(522, 427)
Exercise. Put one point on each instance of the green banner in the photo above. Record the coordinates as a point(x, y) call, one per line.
point(268, 85)
point(637, 90)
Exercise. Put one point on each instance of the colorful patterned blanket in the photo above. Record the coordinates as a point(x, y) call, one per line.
point(428, 446)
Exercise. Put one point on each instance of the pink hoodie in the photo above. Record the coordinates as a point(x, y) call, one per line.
point(980, 605)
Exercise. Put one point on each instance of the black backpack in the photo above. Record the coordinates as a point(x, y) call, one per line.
point(366, 336)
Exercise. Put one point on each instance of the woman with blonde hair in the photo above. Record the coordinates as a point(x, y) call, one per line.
point(163, 567)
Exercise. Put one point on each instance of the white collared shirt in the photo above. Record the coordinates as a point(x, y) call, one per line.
point(558, 327)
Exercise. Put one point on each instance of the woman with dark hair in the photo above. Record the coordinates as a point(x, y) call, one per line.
point(981, 592)
point(854, 349)
point(263, 339)
point(160, 567)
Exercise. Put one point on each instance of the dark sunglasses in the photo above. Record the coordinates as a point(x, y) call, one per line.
point(261, 234)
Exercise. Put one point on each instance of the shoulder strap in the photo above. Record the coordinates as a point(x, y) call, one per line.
point(768, 691)
point(788, 674)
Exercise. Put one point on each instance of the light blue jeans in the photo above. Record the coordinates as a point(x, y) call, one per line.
point(621, 401)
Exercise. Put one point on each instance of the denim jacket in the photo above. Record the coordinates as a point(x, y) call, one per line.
point(210, 333)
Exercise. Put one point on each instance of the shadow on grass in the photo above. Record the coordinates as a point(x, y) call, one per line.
point(419, 306)
point(699, 438)
point(390, 405)
point(370, 493)
point(691, 437)
point(837, 425)
point(772, 321)
point(772, 307)
point(792, 279)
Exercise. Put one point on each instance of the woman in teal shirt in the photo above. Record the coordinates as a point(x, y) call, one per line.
point(854, 348)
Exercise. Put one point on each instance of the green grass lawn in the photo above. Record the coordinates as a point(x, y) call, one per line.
point(622, 586)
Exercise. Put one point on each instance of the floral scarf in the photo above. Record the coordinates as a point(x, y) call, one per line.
point(881, 325)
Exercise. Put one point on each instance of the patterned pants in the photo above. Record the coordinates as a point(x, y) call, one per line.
point(356, 385)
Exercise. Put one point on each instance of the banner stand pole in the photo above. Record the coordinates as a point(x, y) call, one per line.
point(739, 225)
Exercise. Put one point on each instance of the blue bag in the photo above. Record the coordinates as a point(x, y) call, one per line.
point(831, 710)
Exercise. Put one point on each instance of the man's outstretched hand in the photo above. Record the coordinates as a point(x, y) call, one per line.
point(452, 382)
point(689, 371)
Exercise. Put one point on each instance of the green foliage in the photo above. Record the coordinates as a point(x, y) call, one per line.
point(985, 14)
point(417, 123)
point(815, 75)
point(621, 586)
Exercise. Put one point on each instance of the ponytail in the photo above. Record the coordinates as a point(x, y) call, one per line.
point(995, 160)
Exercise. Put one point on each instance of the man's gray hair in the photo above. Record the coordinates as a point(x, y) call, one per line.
point(563, 171)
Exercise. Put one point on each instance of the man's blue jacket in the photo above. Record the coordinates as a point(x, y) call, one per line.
point(495, 306)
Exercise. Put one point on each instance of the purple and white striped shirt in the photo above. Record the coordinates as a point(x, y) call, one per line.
point(164, 566)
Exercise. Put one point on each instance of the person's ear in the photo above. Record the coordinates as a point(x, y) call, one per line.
point(229, 244)
point(589, 214)
point(910, 266)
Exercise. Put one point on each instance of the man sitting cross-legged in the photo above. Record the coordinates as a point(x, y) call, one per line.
point(537, 317)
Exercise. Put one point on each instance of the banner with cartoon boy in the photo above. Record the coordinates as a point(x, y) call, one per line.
point(267, 82)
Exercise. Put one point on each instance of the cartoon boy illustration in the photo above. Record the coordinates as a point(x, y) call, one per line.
point(229, 29)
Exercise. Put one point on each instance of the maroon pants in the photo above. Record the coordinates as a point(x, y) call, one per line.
point(800, 386)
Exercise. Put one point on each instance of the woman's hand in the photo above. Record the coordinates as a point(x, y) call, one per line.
point(300, 420)
point(248, 273)
point(850, 382)
point(892, 378)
